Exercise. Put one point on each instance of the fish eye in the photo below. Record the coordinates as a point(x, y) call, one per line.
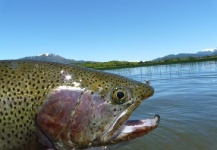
point(119, 96)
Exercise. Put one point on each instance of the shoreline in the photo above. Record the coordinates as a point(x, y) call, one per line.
point(124, 64)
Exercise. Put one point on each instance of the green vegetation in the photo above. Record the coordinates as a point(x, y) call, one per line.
point(126, 64)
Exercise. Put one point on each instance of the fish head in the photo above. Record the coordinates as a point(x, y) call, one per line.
point(93, 111)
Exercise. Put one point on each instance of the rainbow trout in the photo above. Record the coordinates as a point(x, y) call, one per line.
point(56, 106)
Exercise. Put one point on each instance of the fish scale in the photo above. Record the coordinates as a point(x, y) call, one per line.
point(20, 97)
point(26, 87)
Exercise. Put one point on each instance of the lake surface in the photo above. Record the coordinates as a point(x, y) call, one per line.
point(185, 98)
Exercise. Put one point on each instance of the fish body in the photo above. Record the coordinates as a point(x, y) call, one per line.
point(51, 105)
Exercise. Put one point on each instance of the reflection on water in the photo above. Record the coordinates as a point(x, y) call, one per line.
point(186, 99)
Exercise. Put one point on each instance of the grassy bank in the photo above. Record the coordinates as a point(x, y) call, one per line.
point(126, 64)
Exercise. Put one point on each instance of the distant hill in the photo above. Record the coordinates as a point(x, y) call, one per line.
point(206, 52)
point(49, 57)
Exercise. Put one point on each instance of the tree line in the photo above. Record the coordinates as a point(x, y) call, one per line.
point(126, 64)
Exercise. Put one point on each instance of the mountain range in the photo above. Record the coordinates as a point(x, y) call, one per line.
point(50, 58)
point(203, 53)
point(56, 58)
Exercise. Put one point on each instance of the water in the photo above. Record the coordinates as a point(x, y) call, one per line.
point(186, 99)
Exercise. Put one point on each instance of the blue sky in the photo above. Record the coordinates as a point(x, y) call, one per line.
point(103, 30)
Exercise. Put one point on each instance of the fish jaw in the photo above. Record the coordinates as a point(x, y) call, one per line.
point(134, 129)
point(130, 130)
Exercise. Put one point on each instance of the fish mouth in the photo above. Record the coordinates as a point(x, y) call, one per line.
point(133, 129)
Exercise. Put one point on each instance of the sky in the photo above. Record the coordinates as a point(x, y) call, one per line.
point(105, 30)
